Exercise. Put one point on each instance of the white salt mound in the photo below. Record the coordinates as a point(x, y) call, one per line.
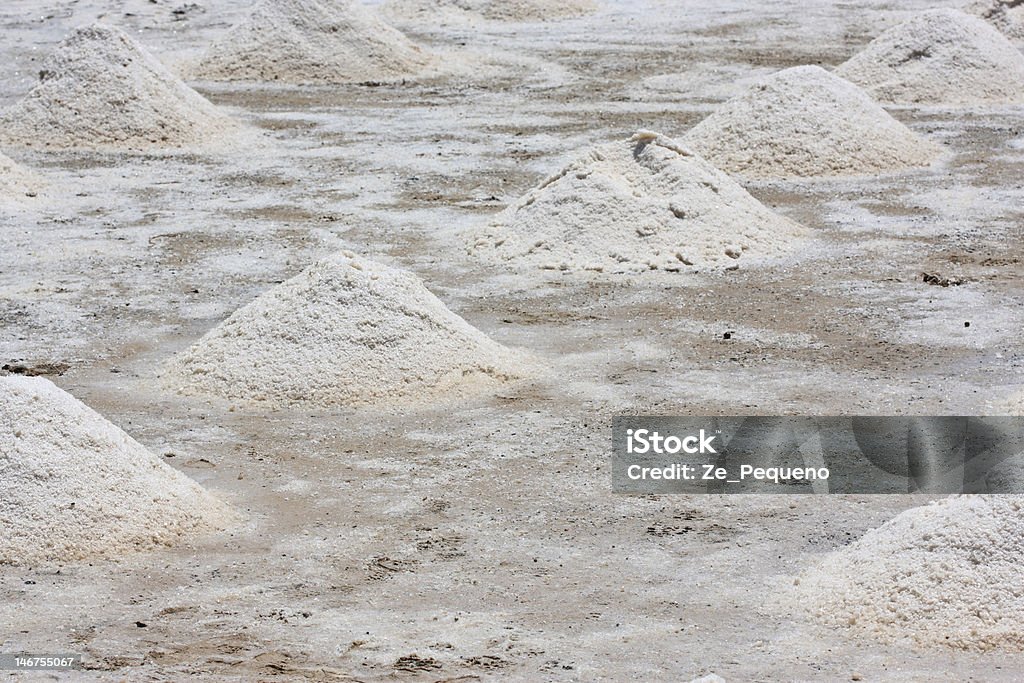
point(946, 574)
point(1015, 405)
point(100, 89)
point(491, 10)
point(710, 678)
point(1005, 15)
point(805, 122)
point(74, 485)
point(14, 180)
point(645, 203)
point(345, 331)
point(313, 42)
point(941, 56)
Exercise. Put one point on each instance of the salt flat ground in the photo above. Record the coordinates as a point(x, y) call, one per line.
point(479, 541)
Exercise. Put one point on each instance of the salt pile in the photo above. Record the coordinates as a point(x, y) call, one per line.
point(101, 89)
point(492, 10)
point(1005, 15)
point(313, 42)
point(14, 180)
point(344, 331)
point(941, 56)
point(804, 122)
point(950, 573)
point(76, 486)
point(640, 204)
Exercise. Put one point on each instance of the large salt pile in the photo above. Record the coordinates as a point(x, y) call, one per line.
point(344, 331)
point(941, 56)
point(640, 204)
point(74, 485)
point(313, 42)
point(803, 122)
point(1005, 15)
point(100, 89)
point(493, 10)
point(950, 573)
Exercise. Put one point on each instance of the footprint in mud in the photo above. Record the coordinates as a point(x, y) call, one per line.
point(414, 663)
point(712, 532)
point(382, 568)
point(444, 546)
point(489, 662)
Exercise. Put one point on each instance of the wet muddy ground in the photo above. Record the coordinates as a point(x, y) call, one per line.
point(480, 540)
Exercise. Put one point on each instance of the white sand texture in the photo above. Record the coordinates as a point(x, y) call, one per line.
point(1015, 405)
point(491, 10)
point(346, 331)
point(939, 57)
point(76, 486)
point(313, 42)
point(15, 181)
point(946, 574)
point(806, 122)
point(1005, 15)
point(101, 90)
point(640, 204)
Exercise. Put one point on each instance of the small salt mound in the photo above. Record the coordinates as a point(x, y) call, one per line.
point(1005, 15)
point(950, 574)
point(704, 82)
point(313, 42)
point(14, 180)
point(492, 10)
point(344, 331)
point(74, 485)
point(101, 89)
point(941, 56)
point(644, 203)
point(804, 122)
point(1015, 405)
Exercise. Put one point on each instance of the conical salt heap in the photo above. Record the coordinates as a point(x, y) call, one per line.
point(804, 122)
point(100, 89)
point(313, 42)
point(941, 56)
point(645, 203)
point(1005, 15)
point(345, 331)
point(946, 574)
point(74, 485)
point(493, 10)
point(14, 180)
